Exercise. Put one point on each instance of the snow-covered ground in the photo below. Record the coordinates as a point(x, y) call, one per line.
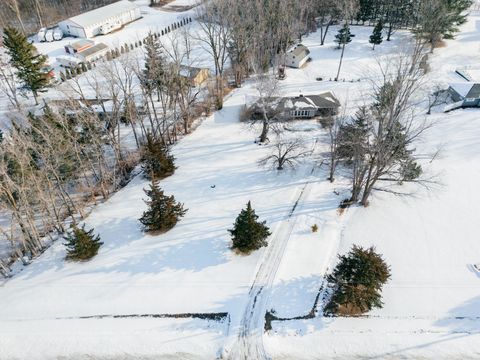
point(432, 305)
point(153, 20)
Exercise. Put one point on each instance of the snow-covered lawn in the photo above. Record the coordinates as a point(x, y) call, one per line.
point(189, 269)
point(432, 304)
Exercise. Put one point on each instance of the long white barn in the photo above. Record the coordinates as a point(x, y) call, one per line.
point(102, 20)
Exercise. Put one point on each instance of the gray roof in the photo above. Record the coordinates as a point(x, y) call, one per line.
point(321, 101)
point(101, 14)
point(93, 50)
point(474, 92)
point(281, 105)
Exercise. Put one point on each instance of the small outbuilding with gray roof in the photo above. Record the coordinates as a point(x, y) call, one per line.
point(465, 94)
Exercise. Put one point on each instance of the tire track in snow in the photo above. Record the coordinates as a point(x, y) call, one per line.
point(249, 343)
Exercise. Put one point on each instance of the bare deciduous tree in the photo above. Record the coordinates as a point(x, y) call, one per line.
point(286, 153)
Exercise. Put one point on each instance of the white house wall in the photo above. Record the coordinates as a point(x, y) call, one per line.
point(295, 62)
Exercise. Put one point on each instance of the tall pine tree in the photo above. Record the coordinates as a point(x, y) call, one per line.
point(377, 38)
point(248, 234)
point(163, 211)
point(29, 64)
point(154, 71)
point(440, 19)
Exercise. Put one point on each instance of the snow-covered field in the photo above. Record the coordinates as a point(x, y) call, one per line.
point(432, 304)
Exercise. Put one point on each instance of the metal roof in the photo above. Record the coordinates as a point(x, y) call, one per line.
point(93, 50)
point(81, 43)
point(99, 15)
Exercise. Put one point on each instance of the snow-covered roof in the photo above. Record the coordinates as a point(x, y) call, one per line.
point(326, 100)
point(100, 47)
point(98, 15)
point(81, 43)
point(462, 89)
point(300, 50)
point(467, 90)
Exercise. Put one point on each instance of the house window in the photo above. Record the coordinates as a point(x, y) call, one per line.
point(470, 99)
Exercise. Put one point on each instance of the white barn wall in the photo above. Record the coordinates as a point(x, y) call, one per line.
point(78, 28)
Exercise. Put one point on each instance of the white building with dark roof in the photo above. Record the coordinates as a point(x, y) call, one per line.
point(102, 20)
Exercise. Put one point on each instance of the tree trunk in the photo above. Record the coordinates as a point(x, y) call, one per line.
point(263, 135)
point(340, 64)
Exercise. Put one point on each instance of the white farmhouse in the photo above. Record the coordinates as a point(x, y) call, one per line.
point(297, 56)
point(102, 20)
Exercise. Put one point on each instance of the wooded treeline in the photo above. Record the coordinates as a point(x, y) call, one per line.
point(57, 161)
point(30, 15)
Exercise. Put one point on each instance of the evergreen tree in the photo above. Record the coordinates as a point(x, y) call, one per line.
point(82, 244)
point(377, 38)
point(352, 137)
point(439, 19)
point(163, 211)
point(344, 36)
point(29, 64)
point(357, 281)
point(158, 163)
point(154, 72)
point(365, 11)
point(248, 234)
point(409, 170)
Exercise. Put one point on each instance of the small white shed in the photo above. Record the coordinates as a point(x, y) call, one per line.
point(297, 56)
point(102, 20)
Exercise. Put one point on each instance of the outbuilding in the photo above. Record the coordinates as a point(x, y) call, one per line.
point(78, 46)
point(297, 56)
point(93, 53)
point(102, 20)
point(194, 75)
point(465, 94)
